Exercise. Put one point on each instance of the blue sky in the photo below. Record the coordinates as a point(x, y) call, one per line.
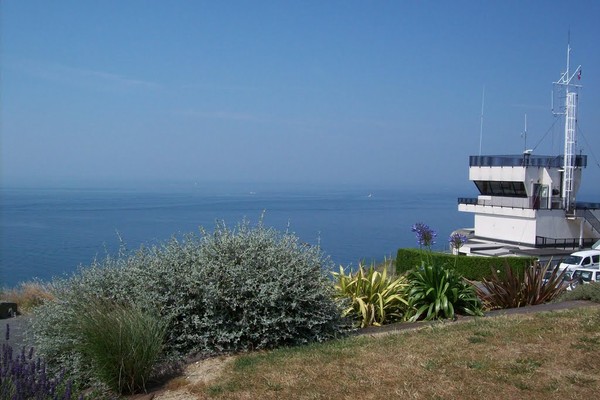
point(325, 92)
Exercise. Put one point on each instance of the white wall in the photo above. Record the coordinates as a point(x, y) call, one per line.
point(506, 228)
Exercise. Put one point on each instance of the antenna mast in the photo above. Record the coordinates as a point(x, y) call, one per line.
point(524, 135)
point(481, 123)
point(570, 113)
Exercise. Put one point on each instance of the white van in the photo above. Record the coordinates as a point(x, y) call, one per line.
point(580, 259)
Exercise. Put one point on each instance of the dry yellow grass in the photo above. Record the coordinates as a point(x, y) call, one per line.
point(552, 355)
point(28, 295)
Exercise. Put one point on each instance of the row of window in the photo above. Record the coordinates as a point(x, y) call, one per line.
point(501, 188)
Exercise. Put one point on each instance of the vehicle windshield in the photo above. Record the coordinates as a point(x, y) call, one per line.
point(584, 275)
point(572, 260)
point(566, 276)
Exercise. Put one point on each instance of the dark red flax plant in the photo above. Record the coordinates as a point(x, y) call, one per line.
point(536, 285)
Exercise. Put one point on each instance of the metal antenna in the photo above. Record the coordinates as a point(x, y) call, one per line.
point(570, 113)
point(481, 122)
point(524, 134)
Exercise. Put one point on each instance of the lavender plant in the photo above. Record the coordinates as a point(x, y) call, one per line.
point(24, 376)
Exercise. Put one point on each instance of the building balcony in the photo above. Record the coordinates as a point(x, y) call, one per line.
point(533, 203)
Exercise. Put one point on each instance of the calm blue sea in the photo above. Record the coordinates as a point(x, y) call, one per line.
point(50, 232)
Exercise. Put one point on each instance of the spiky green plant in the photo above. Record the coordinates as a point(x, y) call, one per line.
point(437, 292)
point(512, 290)
point(375, 298)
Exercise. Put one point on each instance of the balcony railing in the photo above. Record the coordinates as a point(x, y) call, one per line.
point(569, 243)
point(527, 203)
point(524, 160)
point(468, 200)
point(508, 202)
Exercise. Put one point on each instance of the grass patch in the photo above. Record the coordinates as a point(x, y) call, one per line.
point(586, 343)
point(478, 365)
point(479, 336)
point(520, 357)
point(525, 366)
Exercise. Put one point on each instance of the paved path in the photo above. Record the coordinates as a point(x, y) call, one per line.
point(18, 327)
point(403, 326)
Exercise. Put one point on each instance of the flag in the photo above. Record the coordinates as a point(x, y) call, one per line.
point(579, 75)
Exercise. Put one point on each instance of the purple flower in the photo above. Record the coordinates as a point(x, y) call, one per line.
point(425, 235)
point(457, 240)
point(28, 377)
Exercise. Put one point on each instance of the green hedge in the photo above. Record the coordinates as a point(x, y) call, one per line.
point(472, 268)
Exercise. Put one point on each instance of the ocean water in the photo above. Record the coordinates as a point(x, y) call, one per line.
point(51, 232)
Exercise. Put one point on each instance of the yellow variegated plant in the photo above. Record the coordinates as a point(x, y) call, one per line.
point(375, 298)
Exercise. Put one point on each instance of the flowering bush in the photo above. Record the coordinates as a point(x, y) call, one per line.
point(425, 235)
point(457, 240)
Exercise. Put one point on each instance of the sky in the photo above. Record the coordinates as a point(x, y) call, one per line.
point(382, 93)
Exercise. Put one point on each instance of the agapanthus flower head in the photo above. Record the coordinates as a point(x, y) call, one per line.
point(425, 235)
point(457, 240)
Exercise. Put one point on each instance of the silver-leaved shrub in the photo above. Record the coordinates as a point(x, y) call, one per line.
point(262, 289)
point(250, 287)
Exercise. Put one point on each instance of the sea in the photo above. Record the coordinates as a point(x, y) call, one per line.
point(48, 233)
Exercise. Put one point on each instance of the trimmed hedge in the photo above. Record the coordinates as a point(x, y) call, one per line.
point(473, 268)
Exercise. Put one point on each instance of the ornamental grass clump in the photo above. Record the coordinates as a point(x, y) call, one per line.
point(374, 298)
point(25, 376)
point(121, 342)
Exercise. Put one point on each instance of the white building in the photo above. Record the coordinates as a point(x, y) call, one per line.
point(527, 202)
point(521, 203)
